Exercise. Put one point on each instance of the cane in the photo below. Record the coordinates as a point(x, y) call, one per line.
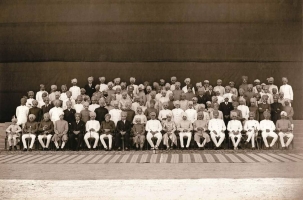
point(30, 130)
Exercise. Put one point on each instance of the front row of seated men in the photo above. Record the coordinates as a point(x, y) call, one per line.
point(59, 131)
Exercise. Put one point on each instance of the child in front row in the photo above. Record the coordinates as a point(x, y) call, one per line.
point(139, 133)
point(13, 133)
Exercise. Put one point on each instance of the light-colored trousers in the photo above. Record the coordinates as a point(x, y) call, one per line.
point(12, 137)
point(91, 134)
point(149, 137)
point(182, 135)
point(24, 136)
point(289, 136)
point(232, 138)
point(48, 139)
point(110, 139)
point(269, 134)
point(215, 136)
point(251, 136)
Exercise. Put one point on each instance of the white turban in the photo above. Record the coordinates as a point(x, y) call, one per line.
point(74, 80)
point(187, 80)
point(283, 113)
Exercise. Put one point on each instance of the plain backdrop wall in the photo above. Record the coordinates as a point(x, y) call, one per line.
point(52, 41)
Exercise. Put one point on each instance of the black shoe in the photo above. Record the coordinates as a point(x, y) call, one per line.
point(15, 147)
point(109, 149)
point(253, 148)
point(126, 149)
point(106, 149)
point(201, 148)
point(10, 148)
point(270, 148)
point(30, 149)
point(94, 149)
point(57, 149)
point(25, 149)
point(46, 149)
point(119, 148)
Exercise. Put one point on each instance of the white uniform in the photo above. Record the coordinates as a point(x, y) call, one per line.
point(115, 115)
point(191, 115)
point(21, 114)
point(55, 113)
point(234, 125)
point(268, 124)
point(63, 96)
point(92, 134)
point(218, 126)
point(221, 89)
point(287, 90)
point(177, 115)
point(75, 91)
point(39, 95)
point(244, 110)
point(251, 125)
point(153, 125)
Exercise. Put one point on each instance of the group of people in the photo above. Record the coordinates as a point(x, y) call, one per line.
point(131, 114)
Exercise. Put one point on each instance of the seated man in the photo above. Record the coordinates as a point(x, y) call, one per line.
point(29, 131)
point(169, 138)
point(163, 113)
point(200, 126)
point(251, 127)
point(13, 133)
point(217, 129)
point(92, 129)
point(107, 131)
point(285, 130)
point(46, 130)
point(139, 134)
point(123, 130)
point(185, 127)
point(77, 130)
point(60, 129)
point(268, 127)
point(35, 111)
point(153, 128)
point(234, 128)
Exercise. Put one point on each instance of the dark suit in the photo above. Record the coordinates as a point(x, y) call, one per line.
point(46, 109)
point(100, 114)
point(90, 90)
point(226, 111)
point(77, 127)
point(276, 109)
point(69, 116)
point(209, 94)
point(37, 112)
point(121, 126)
point(202, 99)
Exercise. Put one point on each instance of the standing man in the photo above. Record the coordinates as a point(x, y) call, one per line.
point(90, 87)
point(75, 89)
point(286, 89)
point(244, 84)
point(226, 107)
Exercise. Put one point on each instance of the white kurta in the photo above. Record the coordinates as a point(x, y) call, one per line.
point(153, 125)
point(92, 124)
point(251, 124)
point(39, 95)
point(288, 92)
point(29, 103)
point(177, 115)
point(267, 124)
point(221, 89)
point(217, 125)
point(75, 91)
point(55, 113)
point(234, 125)
point(21, 114)
point(52, 96)
point(63, 96)
point(191, 115)
point(115, 115)
point(244, 110)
